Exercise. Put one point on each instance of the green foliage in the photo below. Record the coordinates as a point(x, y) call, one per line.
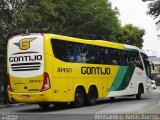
point(90, 19)
point(154, 11)
point(132, 35)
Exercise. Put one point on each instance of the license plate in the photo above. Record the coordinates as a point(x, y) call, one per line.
point(26, 96)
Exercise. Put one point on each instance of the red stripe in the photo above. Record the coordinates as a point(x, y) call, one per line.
point(23, 53)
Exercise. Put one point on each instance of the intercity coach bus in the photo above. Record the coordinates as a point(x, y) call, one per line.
point(48, 69)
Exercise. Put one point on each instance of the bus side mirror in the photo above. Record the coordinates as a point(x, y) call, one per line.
point(152, 65)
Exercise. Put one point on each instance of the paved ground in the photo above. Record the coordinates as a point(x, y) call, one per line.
point(149, 104)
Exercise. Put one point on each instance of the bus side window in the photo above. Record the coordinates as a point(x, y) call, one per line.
point(120, 57)
point(138, 61)
point(106, 56)
point(148, 69)
point(113, 57)
point(58, 48)
point(91, 54)
point(123, 57)
point(83, 53)
point(144, 57)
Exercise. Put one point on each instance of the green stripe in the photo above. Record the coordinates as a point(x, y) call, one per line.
point(127, 78)
point(122, 78)
point(119, 78)
point(131, 49)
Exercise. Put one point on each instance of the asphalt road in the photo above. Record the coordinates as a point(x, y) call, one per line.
point(149, 104)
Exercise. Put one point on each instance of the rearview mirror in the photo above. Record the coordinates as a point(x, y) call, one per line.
point(152, 65)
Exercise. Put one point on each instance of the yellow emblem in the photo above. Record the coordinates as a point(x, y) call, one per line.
point(24, 44)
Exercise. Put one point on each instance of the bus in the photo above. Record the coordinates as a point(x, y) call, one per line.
point(49, 69)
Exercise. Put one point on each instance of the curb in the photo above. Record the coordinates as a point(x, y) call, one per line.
point(12, 105)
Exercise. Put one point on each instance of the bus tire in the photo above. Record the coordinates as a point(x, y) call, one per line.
point(78, 98)
point(112, 98)
point(140, 91)
point(44, 105)
point(91, 97)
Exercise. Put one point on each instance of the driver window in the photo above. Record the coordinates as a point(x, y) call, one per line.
point(148, 69)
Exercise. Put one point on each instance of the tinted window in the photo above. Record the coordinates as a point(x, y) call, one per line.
point(147, 67)
point(85, 53)
point(144, 57)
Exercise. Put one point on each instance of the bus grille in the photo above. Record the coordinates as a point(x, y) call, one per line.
point(26, 66)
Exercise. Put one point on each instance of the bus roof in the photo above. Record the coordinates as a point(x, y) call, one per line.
point(86, 41)
point(99, 43)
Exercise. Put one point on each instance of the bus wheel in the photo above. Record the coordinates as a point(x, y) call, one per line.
point(112, 98)
point(79, 98)
point(91, 97)
point(44, 105)
point(140, 91)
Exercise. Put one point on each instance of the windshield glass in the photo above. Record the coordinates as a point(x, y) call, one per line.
point(147, 68)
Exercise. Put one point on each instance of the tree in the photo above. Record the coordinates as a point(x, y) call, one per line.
point(132, 35)
point(154, 11)
point(9, 12)
point(90, 19)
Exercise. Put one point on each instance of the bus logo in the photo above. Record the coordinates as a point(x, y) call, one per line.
point(24, 44)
